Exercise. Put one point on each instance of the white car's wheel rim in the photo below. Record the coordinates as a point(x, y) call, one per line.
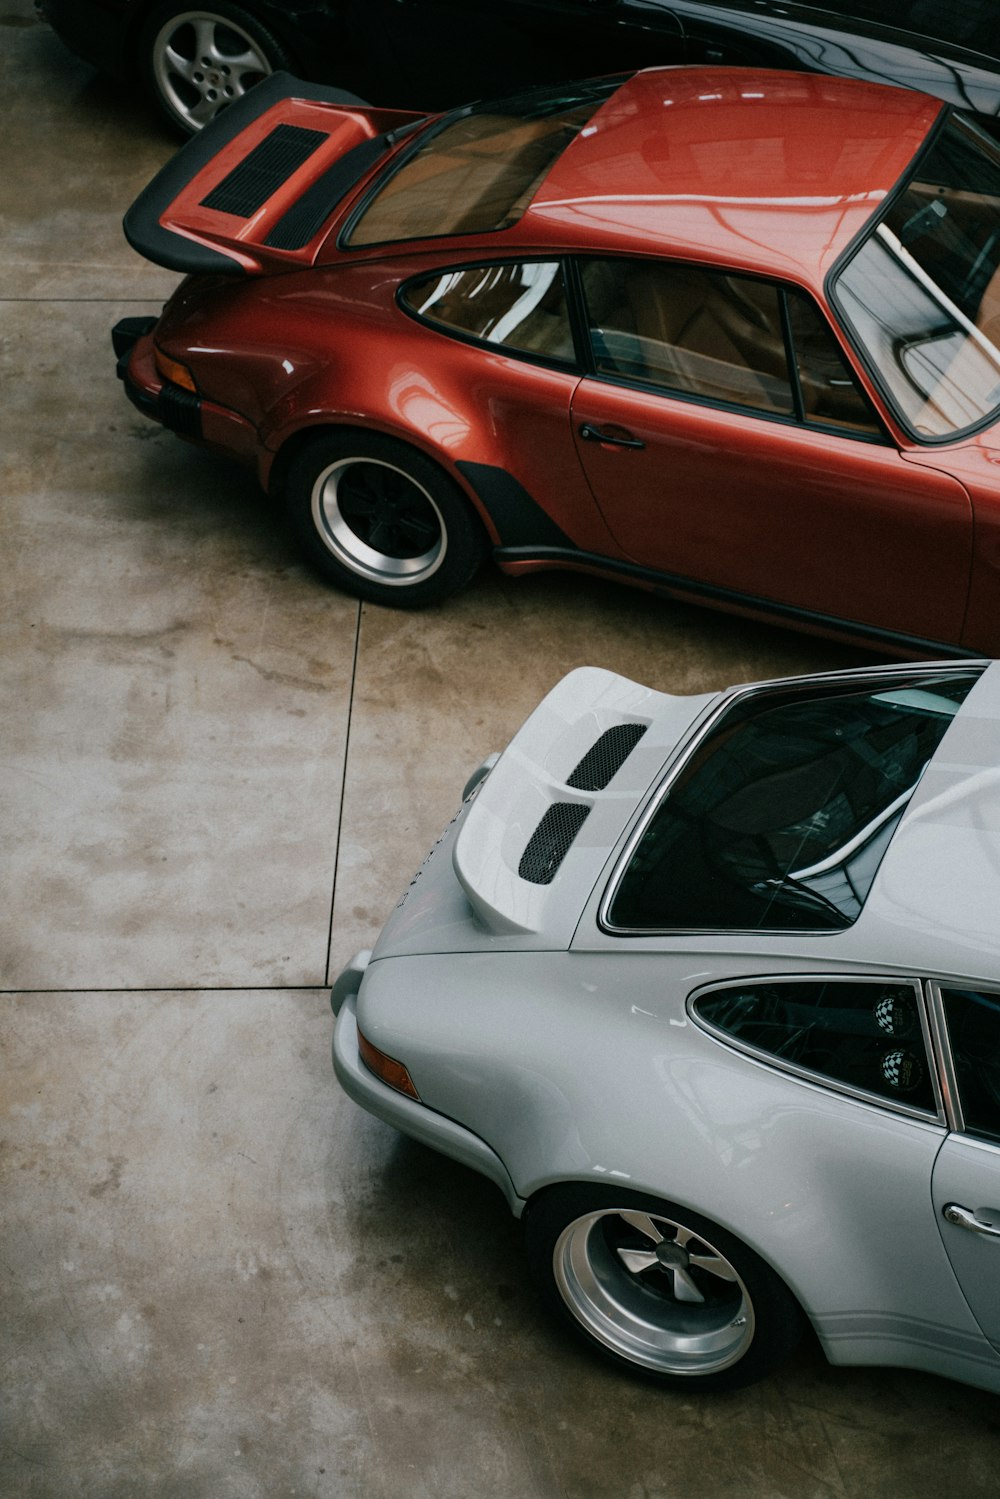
point(654, 1292)
point(202, 62)
point(378, 521)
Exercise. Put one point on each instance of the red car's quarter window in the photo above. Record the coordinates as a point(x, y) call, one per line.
point(519, 305)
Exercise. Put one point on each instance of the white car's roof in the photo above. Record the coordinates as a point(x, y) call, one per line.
point(935, 902)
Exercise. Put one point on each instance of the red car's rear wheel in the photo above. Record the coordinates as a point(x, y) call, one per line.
point(381, 520)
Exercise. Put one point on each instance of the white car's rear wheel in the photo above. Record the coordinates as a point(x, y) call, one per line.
point(660, 1289)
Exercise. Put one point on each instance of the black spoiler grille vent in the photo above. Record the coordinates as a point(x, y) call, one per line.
point(606, 756)
point(249, 185)
point(550, 842)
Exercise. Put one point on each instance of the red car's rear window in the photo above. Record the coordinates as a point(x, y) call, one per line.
point(480, 168)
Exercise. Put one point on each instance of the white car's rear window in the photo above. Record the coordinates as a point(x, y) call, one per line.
point(781, 815)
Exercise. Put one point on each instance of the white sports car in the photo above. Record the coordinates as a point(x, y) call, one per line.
point(710, 987)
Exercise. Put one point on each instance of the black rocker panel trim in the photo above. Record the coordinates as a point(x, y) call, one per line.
point(520, 520)
point(674, 583)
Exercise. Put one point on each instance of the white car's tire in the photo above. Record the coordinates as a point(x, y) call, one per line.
point(659, 1289)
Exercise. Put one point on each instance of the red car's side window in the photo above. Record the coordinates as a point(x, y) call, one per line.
point(720, 337)
point(520, 305)
point(701, 332)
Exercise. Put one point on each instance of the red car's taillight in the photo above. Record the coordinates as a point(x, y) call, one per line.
point(174, 371)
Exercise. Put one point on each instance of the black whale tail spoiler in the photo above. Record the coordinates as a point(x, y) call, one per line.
point(253, 191)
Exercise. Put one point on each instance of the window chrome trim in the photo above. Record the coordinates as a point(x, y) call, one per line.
point(864, 676)
point(822, 1079)
point(939, 1019)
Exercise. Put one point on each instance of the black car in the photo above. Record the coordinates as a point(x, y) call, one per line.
point(430, 54)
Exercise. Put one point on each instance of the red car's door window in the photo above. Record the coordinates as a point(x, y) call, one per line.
point(705, 333)
point(519, 305)
point(720, 337)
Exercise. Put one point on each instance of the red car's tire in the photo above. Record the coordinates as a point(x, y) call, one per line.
point(658, 1289)
point(381, 520)
point(197, 59)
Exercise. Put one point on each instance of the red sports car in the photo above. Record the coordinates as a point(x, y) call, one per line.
point(724, 333)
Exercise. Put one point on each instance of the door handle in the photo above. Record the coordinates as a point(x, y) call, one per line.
point(962, 1218)
point(594, 434)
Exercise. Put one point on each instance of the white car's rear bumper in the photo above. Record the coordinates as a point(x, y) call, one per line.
point(403, 1113)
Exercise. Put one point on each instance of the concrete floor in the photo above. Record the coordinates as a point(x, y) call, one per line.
point(220, 1278)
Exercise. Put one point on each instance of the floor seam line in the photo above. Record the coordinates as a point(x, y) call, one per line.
point(343, 786)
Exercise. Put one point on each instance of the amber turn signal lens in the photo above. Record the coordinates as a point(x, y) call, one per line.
point(387, 1068)
point(174, 371)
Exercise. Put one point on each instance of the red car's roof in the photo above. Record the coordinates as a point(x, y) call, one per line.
point(767, 170)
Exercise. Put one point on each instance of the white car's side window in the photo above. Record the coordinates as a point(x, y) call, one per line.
point(865, 1034)
point(974, 1031)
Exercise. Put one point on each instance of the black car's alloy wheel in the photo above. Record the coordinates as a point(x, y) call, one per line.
point(659, 1289)
point(381, 520)
point(196, 62)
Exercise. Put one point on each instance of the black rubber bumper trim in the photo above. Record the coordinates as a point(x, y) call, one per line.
point(675, 584)
point(126, 334)
point(176, 252)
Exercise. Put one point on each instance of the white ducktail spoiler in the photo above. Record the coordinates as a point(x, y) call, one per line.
point(549, 814)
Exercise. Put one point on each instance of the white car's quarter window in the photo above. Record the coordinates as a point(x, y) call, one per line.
point(865, 1034)
point(519, 305)
point(973, 1018)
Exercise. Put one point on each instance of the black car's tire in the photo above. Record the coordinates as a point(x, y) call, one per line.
point(195, 60)
point(659, 1289)
point(381, 520)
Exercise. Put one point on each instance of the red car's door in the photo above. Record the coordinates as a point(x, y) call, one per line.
point(810, 506)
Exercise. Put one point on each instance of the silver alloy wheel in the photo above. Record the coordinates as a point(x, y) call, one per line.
point(653, 1291)
point(201, 62)
point(378, 521)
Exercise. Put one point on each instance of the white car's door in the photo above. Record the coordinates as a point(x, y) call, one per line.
point(966, 1182)
point(966, 1193)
